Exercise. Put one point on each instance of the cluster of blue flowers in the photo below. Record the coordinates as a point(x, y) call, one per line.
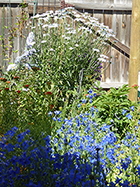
point(80, 153)
point(26, 163)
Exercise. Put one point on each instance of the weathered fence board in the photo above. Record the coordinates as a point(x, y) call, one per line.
point(121, 25)
point(102, 4)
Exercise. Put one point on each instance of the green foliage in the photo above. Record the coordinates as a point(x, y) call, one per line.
point(110, 106)
point(23, 4)
point(26, 99)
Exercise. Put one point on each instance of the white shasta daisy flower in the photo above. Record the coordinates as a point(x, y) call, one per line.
point(11, 67)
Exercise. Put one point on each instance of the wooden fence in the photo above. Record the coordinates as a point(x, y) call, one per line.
point(120, 23)
point(116, 17)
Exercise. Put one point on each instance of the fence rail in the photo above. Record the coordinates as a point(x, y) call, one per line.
point(105, 6)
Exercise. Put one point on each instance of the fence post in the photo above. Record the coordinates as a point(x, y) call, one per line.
point(134, 64)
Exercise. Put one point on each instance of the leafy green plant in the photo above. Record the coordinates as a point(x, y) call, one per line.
point(113, 107)
point(25, 101)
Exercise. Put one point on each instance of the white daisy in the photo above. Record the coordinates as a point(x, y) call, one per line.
point(52, 49)
point(11, 67)
point(76, 45)
point(43, 41)
point(71, 48)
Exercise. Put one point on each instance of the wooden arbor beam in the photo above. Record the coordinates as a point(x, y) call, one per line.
point(134, 64)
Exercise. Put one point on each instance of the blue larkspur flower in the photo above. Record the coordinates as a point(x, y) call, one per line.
point(97, 110)
point(25, 144)
point(27, 131)
point(126, 183)
point(125, 163)
point(59, 119)
point(54, 118)
point(129, 116)
point(20, 137)
point(14, 129)
point(124, 111)
point(83, 100)
point(132, 108)
point(136, 128)
point(90, 100)
point(50, 113)
point(90, 91)
point(57, 112)
point(9, 147)
point(118, 180)
point(138, 169)
point(105, 127)
point(79, 105)
point(111, 120)
point(91, 96)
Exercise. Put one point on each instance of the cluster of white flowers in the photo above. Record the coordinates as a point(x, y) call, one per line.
point(92, 23)
point(44, 21)
point(96, 50)
point(103, 58)
point(43, 41)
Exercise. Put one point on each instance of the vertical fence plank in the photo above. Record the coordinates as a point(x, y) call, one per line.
point(108, 21)
point(114, 20)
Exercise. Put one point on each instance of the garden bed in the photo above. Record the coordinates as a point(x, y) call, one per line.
point(58, 126)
